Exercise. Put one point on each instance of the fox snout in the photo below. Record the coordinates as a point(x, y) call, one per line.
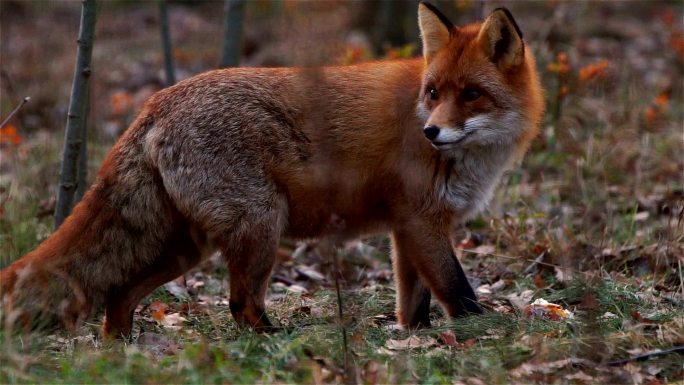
point(431, 132)
point(442, 137)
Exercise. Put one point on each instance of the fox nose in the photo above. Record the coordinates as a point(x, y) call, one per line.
point(431, 132)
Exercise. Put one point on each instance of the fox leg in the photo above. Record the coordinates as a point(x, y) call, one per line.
point(433, 258)
point(413, 298)
point(250, 260)
point(179, 256)
point(220, 184)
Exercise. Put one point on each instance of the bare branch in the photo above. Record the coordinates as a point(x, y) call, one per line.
point(14, 111)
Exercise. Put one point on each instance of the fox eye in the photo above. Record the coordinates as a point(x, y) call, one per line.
point(433, 93)
point(470, 94)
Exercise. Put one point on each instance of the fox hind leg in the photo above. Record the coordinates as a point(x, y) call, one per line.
point(180, 255)
point(250, 257)
point(231, 197)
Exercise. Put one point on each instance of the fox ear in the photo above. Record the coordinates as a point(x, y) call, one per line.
point(502, 40)
point(435, 29)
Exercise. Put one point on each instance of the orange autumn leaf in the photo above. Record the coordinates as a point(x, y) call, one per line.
point(677, 44)
point(662, 99)
point(9, 135)
point(657, 108)
point(121, 102)
point(668, 17)
point(562, 66)
point(593, 71)
point(158, 309)
point(650, 116)
point(542, 309)
point(353, 54)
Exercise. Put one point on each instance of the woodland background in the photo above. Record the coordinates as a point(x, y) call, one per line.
point(593, 219)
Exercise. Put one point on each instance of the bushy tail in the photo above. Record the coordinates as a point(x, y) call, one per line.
point(115, 231)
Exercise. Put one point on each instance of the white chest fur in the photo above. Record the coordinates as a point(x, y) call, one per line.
point(474, 174)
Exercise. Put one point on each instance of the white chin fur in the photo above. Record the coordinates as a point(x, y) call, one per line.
point(485, 129)
point(480, 158)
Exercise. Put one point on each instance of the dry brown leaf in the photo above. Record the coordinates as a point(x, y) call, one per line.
point(412, 342)
point(527, 369)
point(449, 338)
point(310, 273)
point(172, 321)
point(520, 300)
point(178, 289)
point(580, 377)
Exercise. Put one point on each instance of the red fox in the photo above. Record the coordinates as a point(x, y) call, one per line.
point(238, 158)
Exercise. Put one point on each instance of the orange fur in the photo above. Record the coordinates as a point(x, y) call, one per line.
point(242, 156)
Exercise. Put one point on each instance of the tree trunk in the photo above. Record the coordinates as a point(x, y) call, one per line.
point(166, 43)
point(82, 172)
point(74, 136)
point(232, 32)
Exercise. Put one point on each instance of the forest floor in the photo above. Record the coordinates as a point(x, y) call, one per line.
point(593, 218)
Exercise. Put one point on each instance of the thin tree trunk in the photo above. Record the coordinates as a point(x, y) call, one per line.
point(82, 172)
point(166, 43)
point(232, 32)
point(73, 138)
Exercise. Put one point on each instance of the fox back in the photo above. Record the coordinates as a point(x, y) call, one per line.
point(238, 158)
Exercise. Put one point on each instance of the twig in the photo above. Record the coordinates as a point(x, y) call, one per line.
point(340, 314)
point(14, 112)
point(645, 356)
point(537, 261)
point(520, 259)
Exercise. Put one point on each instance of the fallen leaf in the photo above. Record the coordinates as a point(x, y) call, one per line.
point(449, 338)
point(172, 321)
point(310, 273)
point(641, 216)
point(608, 315)
point(580, 377)
point(527, 369)
point(484, 289)
point(412, 342)
point(177, 289)
point(520, 300)
point(498, 286)
point(485, 249)
point(543, 309)
point(638, 317)
point(192, 307)
point(158, 310)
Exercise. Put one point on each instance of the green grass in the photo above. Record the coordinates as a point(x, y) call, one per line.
point(210, 349)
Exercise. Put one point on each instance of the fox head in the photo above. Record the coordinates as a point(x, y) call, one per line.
point(480, 84)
